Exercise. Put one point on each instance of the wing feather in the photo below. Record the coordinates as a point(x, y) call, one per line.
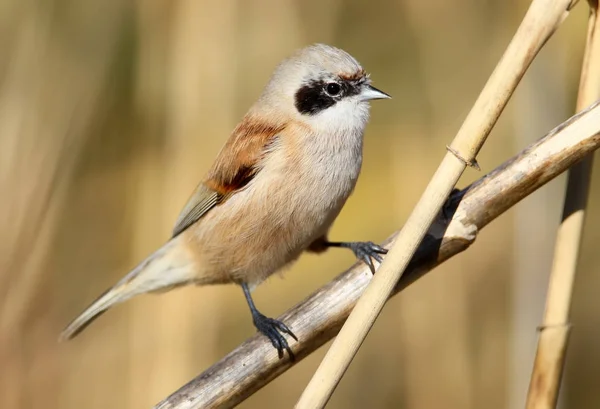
point(203, 199)
point(236, 165)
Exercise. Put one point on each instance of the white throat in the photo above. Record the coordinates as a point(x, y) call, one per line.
point(348, 116)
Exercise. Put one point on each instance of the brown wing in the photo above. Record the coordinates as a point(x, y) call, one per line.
point(235, 166)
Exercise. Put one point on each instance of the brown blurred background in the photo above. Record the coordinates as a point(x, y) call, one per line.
point(111, 112)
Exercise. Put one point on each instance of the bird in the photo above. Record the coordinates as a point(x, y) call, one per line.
point(272, 193)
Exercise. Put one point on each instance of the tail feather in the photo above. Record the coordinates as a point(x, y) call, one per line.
point(96, 309)
point(170, 266)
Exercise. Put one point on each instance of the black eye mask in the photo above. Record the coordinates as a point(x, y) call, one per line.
point(317, 95)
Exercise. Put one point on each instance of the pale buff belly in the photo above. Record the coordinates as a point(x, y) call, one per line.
point(254, 234)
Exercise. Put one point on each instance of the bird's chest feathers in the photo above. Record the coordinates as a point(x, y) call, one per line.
point(329, 170)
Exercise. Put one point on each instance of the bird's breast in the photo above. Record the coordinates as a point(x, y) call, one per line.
point(324, 175)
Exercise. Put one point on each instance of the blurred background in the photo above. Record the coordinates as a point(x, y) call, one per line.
point(112, 111)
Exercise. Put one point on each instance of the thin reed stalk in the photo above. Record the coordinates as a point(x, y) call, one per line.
point(554, 331)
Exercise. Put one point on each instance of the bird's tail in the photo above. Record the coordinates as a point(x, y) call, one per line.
point(168, 267)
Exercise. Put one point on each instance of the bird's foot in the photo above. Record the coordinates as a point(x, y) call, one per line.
point(367, 251)
point(274, 329)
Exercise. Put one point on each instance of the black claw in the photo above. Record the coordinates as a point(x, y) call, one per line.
point(368, 262)
point(273, 338)
point(272, 328)
point(378, 257)
point(282, 327)
point(378, 249)
point(365, 251)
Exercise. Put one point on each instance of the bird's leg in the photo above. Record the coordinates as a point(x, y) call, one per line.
point(363, 250)
point(269, 327)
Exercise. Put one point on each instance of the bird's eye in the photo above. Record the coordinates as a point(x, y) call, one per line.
point(333, 88)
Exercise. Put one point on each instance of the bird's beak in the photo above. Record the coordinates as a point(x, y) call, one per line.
point(369, 92)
